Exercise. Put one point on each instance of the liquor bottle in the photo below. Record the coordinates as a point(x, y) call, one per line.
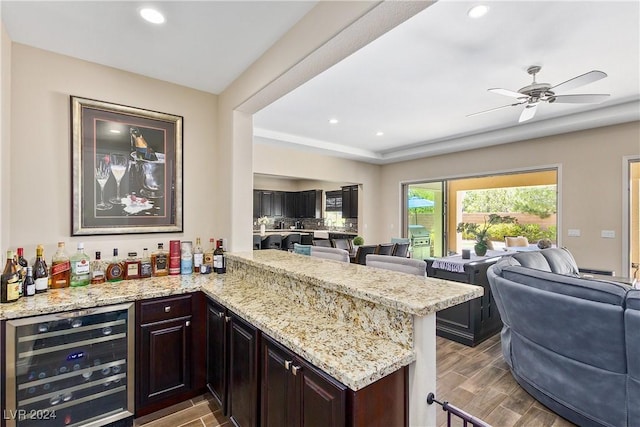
point(219, 261)
point(208, 254)
point(174, 257)
point(22, 267)
point(115, 269)
point(29, 285)
point(198, 256)
point(60, 268)
point(160, 262)
point(140, 146)
point(80, 267)
point(186, 257)
point(145, 264)
point(97, 270)
point(9, 281)
point(40, 271)
point(132, 266)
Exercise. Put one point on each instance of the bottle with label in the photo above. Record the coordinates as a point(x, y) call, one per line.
point(219, 261)
point(97, 270)
point(29, 285)
point(145, 264)
point(186, 257)
point(140, 146)
point(208, 254)
point(22, 267)
point(115, 269)
point(60, 268)
point(80, 267)
point(132, 266)
point(198, 256)
point(160, 262)
point(175, 257)
point(40, 271)
point(9, 281)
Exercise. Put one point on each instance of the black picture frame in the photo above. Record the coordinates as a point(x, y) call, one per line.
point(141, 147)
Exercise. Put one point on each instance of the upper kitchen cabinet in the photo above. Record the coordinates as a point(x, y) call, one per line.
point(350, 201)
point(289, 204)
point(311, 204)
point(268, 203)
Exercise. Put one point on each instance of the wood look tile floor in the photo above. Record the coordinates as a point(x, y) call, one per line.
point(476, 380)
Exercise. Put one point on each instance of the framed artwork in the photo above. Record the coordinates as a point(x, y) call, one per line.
point(127, 169)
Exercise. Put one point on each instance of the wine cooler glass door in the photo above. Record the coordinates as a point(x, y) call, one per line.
point(70, 369)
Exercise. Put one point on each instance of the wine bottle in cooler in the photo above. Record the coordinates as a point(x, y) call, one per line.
point(40, 271)
point(60, 268)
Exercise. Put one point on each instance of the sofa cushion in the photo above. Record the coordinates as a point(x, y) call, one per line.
point(556, 260)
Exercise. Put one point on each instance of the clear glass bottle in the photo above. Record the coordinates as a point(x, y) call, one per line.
point(198, 256)
point(145, 264)
point(80, 267)
point(132, 266)
point(160, 262)
point(97, 270)
point(9, 281)
point(115, 269)
point(29, 285)
point(40, 271)
point(60, 268)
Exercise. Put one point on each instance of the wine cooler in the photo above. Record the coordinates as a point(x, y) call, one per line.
point(71, 369)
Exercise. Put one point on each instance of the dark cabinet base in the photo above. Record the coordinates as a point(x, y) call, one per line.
point(473, 321)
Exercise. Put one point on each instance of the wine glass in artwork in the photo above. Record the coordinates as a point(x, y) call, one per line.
point(119, 165)
point(102, 176)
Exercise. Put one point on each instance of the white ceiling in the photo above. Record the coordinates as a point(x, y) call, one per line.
point(416, 83)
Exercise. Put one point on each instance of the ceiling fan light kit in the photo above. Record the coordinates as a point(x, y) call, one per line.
point(531, 95)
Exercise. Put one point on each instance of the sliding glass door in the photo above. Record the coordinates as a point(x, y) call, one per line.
point(424, 218)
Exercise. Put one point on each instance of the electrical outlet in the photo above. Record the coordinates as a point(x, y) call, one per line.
point(608, 234)
point(573, 232)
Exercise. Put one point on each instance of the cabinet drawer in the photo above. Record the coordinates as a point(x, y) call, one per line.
point(165, 308)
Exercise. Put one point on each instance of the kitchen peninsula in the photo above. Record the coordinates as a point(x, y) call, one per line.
point(355, 324)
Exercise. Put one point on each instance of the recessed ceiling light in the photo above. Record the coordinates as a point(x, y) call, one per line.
point(333, 121)
point(152, 15)
point(379, 133)
point(478, 11)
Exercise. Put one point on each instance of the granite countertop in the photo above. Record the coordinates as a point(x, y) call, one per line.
point(411, 294)
point(346, 352)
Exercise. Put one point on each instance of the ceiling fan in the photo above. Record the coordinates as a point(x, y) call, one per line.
point(535, 93)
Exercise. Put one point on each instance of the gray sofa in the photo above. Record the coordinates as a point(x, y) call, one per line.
point(572, 343)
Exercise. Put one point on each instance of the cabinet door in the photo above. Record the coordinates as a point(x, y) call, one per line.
point(243, 373)
point(346, 202)
point(165, 369)
point(278, 203)
point(353, 211)
point(323, 399)
point(257, 195)
point(216, 353)
point(278, 386)
point(266, 203)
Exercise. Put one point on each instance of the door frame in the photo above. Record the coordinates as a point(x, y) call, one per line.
point(626, 211)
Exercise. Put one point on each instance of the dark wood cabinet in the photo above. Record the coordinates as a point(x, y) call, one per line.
point(232, 364)
point(295, 393)
point(168, 351)
point(216, 353)
point(269, 203)
point(278, 203)
point(266, 203)
point(473, 321)
point(243, 373)
point(350, 201)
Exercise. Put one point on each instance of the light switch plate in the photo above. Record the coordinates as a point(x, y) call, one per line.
point(573, 232)
point(608, 234)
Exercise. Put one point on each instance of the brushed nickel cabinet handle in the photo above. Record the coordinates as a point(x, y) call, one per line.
point(221, 314)
point(295, 369)
point(287, 364)
point(187, 323)
point(227, 319)
point(167, 309)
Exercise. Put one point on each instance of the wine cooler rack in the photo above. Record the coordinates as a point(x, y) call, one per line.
point(70, 369)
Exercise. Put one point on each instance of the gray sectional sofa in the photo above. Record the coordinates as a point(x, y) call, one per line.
point(572, 343)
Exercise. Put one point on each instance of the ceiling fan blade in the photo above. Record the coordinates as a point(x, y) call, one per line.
point(494, 109)
point(528, 112)
point(507, 92)
point(581, 99)
point(582, 80)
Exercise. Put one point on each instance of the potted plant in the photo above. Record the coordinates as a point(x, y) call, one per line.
point(357, 241)
point(263, 221)
point(481, 231)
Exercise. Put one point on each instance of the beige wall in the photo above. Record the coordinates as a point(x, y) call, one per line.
point(590, 184)
point(5, 137)
point(39, 148)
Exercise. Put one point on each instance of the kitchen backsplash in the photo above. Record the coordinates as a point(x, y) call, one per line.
point(350, 224)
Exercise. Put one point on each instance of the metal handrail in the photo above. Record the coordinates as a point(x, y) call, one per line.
point(451, 409)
